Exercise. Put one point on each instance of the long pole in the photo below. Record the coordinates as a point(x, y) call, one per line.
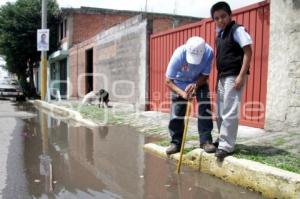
point(44, 53)
point(146, 6)
point(186, 123)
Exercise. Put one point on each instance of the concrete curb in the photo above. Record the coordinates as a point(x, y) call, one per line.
point(269, 181)
point(66, 113)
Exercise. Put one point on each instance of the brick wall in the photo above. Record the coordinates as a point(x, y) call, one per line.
point(77, 64)
point(73, 63)
point(88, 25)
point(166, 23)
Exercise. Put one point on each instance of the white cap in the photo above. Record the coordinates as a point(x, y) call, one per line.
point(195, 48)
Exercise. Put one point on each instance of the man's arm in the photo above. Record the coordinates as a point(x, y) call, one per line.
point(191, 88)
point(240, 80)
point(201, 80)
point(176, 89)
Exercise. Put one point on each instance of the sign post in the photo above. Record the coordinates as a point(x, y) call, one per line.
point(44, 47)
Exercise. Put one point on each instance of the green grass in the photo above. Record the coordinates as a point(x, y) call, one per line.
point(99, 115)
point(280, 141)
point(187, 150)
point(163, 142)
point(192, 138)
point(154, 131)
point(270, 156)
point(264, 154)
point(166, 142)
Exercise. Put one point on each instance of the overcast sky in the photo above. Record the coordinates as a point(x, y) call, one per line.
point(196, 8)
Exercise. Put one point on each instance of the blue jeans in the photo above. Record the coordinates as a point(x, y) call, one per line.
point(178, 109)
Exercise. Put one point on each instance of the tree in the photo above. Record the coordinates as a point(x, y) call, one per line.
point(19, 22)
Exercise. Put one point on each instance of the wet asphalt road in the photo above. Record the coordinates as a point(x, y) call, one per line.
point(12, 176)
point(43, 157)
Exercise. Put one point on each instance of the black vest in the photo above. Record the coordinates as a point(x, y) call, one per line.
point(229, 53)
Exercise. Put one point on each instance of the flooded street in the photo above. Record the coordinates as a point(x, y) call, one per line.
point(48, 158)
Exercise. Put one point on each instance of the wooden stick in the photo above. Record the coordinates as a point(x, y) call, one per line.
point(186, 123)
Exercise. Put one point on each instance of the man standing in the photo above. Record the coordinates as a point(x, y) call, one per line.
point(186, 76)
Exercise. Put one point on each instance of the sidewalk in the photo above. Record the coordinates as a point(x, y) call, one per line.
point(280, 149)
point(147, 121)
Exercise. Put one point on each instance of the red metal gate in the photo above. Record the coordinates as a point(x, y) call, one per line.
point(256, 19)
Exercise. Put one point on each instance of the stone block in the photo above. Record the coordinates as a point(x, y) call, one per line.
point(294, 100)
point(293, 116)
point(297, 89)
point(274, 125)
point(294, 69)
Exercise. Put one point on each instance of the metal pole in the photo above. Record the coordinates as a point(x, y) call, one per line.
point(146, 6)
point(44, 53)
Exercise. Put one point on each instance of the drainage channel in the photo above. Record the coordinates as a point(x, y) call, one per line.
point(63, 160)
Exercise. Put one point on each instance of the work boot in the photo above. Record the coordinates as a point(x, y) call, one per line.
point(221, 154)
point(173, 148)
point(216, 143)
point(208, 147)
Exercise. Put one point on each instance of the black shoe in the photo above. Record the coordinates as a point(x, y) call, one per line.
point(208, 147)
point(173, 148)
point(216, 143)
point(221, 154)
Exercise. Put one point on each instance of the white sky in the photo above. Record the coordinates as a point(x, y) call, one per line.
point(196, 8)
point(2, 61)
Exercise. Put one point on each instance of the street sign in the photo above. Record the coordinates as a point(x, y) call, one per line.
point(43, 39)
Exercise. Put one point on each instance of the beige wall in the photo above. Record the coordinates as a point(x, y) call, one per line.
point(283, 91)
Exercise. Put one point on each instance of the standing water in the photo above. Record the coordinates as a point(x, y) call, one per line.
point(62, 160)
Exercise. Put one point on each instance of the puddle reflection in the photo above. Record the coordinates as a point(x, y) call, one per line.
point(63, 161)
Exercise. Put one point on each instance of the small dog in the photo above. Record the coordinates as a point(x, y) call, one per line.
point(102, 96)
point(90, 97)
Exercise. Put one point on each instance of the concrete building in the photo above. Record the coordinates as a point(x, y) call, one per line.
point(78, 36)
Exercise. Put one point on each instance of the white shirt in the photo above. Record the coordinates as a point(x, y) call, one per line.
point(241, 36)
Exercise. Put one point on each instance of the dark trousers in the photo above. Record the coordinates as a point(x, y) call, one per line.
point(178, 110)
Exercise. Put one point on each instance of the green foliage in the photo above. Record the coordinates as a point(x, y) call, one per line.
point(269, 155)
point(96, 114)
point(19, 22)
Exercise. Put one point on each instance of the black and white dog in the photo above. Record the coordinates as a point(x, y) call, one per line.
point(102, 96)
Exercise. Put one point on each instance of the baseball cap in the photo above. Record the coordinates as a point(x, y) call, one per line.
point(195, 47)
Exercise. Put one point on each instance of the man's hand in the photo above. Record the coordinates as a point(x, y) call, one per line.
point(239, 82)
point(190, 91)
point(185, 96)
